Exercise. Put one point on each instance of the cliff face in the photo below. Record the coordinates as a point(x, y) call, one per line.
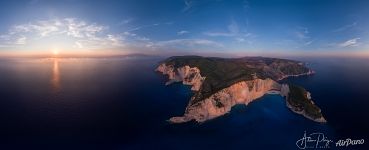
point(221, 102)
point(218, 102)
point(186, 75)
point(284, 90)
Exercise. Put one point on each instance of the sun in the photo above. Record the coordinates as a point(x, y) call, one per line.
point(55, 51)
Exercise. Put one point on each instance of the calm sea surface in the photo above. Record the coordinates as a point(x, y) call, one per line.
point(121, 103)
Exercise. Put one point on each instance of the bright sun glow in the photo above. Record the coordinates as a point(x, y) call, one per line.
point(55, 51)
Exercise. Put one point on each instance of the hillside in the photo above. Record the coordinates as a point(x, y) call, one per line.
point(221, 73)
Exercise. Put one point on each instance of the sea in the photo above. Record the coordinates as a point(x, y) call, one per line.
point(121, 103)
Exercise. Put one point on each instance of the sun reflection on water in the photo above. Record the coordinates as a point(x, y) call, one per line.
point(55, 77)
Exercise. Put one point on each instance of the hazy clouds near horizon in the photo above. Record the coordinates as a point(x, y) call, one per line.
point(237, 27)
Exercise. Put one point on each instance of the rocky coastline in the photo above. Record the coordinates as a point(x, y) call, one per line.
point(310, 72)
point(221, 102)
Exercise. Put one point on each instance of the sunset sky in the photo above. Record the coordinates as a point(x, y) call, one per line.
point(184, 26)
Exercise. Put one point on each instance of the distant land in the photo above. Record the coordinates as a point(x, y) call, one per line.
point(220, 83)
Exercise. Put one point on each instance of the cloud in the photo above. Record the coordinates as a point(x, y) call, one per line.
point(129, 33)
point(125, 21)
point(74, 33)
point(182, 32)
point(70, 26)
point(309, 42)
point(233, 27)
point(42, 28)
point(12, 40)
point(188, 5)
point(148, 26)
point(186, 43)
point(240, 39)
point(215, 34)
point(302, 33)
point(136, 37)
point(301, 38)
point(143, 39)
point(78, 44)
point(21, 40)
point(346, 27)
point(233, 30)
point(101, 42)
point(79, 33)
point(349, 43)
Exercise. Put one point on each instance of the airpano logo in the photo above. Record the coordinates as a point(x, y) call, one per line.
point(349, 142)
point(318, 140)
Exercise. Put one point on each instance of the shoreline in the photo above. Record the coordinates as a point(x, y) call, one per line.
point(310, 72)
point(320, 120)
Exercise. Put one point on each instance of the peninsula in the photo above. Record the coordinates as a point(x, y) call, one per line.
point(220, 83)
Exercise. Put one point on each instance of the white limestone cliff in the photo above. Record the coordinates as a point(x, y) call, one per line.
point(186, 75)
point(221, 102)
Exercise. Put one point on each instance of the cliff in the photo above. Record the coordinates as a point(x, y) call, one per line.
point(186, 74)
point(221, 102)
point(216, 92)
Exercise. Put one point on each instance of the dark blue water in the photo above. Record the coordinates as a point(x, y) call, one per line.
point(121, 103)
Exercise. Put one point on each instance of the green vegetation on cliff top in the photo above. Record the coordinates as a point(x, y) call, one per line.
point(298, 99)
point(222, 72)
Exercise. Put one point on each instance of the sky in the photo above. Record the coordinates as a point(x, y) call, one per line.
point(247, 27)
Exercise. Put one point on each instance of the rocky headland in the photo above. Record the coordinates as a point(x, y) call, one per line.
point(219, 84)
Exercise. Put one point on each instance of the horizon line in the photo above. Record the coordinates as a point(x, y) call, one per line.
point(204, 54)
